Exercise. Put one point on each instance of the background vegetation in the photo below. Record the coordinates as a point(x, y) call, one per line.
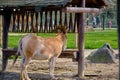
point(93, 39)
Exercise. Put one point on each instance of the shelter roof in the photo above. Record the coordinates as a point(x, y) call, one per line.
point(45, 3)
point(33, 2)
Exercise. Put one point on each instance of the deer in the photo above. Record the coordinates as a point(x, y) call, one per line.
point(33, 47)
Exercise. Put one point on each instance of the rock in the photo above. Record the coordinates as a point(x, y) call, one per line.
point(105, 54)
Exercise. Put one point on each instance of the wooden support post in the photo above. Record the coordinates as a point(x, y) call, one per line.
point(65, 21)
point(71, 23)
point(27, 16)
point(80, 10)
point(36, 21)
point(80, 24)
point(32, 24)
point(18, 21)
point(50, 23)
point(6, 23)
point(13, 26)
point(41, 22)
point(60, 22)
point(46, 21)
point(118, 24)
point(75, 22)
point(22, 30)
point(76, 31)
point(55, 19)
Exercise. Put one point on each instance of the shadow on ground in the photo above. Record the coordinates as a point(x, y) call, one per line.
point(35, 76)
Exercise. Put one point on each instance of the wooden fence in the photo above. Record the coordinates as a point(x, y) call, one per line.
point(44, 21)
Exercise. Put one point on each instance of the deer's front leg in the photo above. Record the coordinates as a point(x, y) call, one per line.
point(51, 67)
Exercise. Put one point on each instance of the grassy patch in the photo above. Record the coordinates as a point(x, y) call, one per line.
point(93, 39)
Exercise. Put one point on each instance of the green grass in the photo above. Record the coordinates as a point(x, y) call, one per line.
point(93, 39)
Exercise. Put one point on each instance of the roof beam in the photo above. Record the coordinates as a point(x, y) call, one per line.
point(81, 10)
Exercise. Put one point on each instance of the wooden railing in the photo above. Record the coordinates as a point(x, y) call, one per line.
point(67, 53)
point(43, 21)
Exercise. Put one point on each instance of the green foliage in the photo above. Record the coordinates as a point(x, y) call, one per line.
point(93, 39)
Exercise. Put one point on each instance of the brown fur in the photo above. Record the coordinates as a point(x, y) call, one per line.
point(50, 45)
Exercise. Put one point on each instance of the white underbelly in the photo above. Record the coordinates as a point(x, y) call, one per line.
point(39, 56)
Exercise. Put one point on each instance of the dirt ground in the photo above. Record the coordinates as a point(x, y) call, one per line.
point(65, 69)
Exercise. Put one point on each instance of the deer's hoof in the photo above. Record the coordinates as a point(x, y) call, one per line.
point(52, 77)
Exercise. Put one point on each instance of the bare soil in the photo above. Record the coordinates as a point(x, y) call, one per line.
point(65, 69)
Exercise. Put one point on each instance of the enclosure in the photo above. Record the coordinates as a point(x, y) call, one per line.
point(43, 16)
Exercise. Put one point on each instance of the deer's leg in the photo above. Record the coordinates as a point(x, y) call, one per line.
point(52, 66)
point(22, 70)
point(26, 64)
point(24, 74)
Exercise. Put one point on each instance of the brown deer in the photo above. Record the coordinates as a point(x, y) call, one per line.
point(33, 47)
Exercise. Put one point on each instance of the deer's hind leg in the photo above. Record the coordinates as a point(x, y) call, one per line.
point(24, 74)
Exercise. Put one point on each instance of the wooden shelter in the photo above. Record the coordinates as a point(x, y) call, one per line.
point(28, 14)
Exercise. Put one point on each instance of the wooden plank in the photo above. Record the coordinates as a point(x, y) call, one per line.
point(75, 23)
point(65, 21)
point(55, 19)
point(81, 10)
point(60, 22)
point(27, 17)
point(71, 23)
point(23, 15)
point(14, 19)
point(9, 52)
point(18, 21)
point(50, 22)
point(46, 21)
point(68, 53)
point(36, 21)
point(32, 24)
point(41, 22)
